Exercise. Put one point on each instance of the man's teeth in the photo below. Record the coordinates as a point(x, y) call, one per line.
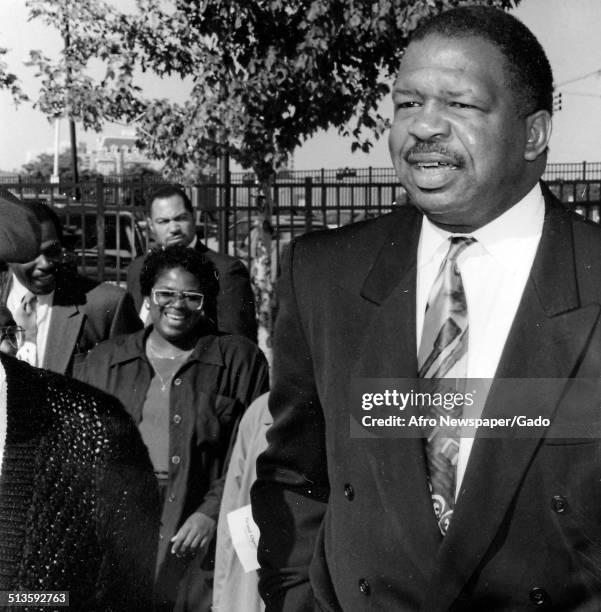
point(435, 165)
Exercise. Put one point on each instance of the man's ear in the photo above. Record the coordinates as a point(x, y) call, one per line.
point(538, 130)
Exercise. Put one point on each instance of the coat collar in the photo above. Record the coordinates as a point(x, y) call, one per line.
point(208, 349)
point(396, 258)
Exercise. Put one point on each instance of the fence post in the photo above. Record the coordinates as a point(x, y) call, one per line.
point(324, 202)
point(100, 227)
point(584, 170)
point(308, 203)
point(368, 203)
point(224, 213)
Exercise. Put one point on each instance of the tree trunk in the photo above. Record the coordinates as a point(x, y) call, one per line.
point(263, 271)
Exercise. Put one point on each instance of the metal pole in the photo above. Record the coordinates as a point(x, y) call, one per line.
point(74, 153)
point(100, 228)
point(73, 138)
point(225, 201)
point(308, 203)
point(57, 128)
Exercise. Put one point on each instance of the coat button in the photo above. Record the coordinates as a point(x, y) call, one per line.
point(177, 382)
point(171, 498)
point(175, 459)
point(364, 586)
point(177, 419)
point(559, 504)
point(349, 491)
point(538, 596)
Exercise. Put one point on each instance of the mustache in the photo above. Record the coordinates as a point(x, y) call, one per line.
point(422, 147)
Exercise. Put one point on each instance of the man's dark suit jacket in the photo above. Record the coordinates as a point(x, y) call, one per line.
point(84, 313)
point(79, 505)
point(354, 515)
point(235, 301)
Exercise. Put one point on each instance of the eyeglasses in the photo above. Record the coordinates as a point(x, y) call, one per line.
point(53, 252)
point(14, 334)
point(192, 299)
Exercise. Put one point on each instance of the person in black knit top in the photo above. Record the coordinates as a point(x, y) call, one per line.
point(79, 508)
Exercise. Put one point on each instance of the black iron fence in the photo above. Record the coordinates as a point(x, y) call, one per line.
point(105, 218)
point(560, 171)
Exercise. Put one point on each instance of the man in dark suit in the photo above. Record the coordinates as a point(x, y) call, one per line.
point(354, 519)
point(78, 498)
point(70, 313)
point(171, 219)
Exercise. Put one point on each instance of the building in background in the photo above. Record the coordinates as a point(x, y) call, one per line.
point(120, 155)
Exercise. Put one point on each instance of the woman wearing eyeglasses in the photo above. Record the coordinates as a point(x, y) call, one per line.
point(186, 386)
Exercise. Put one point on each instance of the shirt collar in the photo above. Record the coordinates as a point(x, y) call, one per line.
point(523, 221)
point(20, 290)
point(207, 349)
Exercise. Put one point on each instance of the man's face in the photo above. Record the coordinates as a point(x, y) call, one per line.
point(39, 275)
point(171, 222)
point(458, 143)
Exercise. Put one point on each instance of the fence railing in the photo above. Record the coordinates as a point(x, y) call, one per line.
point(105, 218)
point(571, 171)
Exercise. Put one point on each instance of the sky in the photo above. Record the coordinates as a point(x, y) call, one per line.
point(567, 29)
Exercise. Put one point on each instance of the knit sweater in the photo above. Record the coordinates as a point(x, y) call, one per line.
point(78, 499)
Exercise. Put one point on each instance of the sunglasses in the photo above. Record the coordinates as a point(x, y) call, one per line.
point(14, 334)
point(192, 299)
point(53, 252)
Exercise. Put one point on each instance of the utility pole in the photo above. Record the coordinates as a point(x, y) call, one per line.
point(73, 138)
point(54, 179)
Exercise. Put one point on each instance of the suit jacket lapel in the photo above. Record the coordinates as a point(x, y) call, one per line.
point(65, 326)
point(388, 350)
point(388, 343)
point(549, 334)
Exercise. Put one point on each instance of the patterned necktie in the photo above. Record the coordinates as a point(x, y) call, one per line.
point(443, 354)
point(26, 317)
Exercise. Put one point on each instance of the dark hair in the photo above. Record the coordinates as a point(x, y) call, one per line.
point(168, 191)
point(529, 74)
point(43, 212)
point(161, 259)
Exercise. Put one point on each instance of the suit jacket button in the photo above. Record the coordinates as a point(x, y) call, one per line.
point(177, 382)
point(559, 504)
point(538, 596)
point(349, 491)
point(175, 459)
point(364, 586)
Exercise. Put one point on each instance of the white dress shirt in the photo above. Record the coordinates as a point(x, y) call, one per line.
point(43, 316)
point(494, 271)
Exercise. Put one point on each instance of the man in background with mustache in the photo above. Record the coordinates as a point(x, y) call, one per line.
point(486, 276)
point(171, 220)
